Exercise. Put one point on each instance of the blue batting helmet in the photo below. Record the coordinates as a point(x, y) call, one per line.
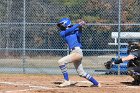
point(65, 22)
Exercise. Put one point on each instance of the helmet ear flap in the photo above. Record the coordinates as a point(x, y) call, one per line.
point(60, 25)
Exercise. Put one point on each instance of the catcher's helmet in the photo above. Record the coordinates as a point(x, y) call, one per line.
point(65, 22)
point(133, 45)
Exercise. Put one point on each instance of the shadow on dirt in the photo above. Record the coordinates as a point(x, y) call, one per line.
point(131, 83)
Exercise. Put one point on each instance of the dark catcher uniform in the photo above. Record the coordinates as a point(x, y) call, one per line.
point(134, 64)
point(133, 59)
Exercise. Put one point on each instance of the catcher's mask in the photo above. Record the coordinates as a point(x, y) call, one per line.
point(133, 45)
point(64, 23)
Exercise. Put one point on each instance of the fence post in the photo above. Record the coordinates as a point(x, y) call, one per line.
point(119, 30)
point(24, 31)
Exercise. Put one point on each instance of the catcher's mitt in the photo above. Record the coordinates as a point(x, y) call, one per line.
point(108, 64)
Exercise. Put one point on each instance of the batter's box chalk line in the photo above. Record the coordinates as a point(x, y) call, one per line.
point(30, 87)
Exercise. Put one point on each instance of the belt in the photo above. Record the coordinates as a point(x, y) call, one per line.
point(76, 48)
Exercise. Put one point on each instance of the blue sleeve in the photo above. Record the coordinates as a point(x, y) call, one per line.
point(63, 33)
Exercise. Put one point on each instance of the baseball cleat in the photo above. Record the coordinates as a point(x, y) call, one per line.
point(65, 83)
point(99, 85)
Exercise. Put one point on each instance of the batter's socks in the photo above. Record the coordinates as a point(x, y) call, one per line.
point(64, 72)
point(91, 79)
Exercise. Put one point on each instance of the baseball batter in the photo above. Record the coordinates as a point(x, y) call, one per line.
point(71, 34)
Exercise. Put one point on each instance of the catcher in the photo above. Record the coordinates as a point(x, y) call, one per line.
point(133, 61)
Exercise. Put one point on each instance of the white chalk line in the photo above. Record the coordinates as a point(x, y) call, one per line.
point(15, 83)
point(13, 91)
point(31, 87)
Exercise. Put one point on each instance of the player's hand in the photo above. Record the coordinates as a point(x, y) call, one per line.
point(108, 64)
point(81, 22)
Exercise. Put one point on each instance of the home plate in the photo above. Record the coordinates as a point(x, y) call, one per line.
point(83, 84)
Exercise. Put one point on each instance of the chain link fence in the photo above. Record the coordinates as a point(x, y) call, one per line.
point(30, 41)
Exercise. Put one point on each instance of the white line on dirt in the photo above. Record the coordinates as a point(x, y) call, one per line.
point(122, 87)
point(34, 87)
point(133, 86)
point(31, 87)
point(44, 87)
point(14, 91)
point(14, 83)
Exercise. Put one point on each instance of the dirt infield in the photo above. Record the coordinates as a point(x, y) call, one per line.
point(33, 83)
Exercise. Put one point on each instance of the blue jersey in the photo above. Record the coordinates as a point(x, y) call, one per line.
point(72, 36)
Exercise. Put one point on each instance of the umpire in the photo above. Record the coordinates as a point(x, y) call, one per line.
point(133, 61)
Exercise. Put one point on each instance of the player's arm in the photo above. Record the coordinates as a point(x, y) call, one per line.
point(79, 24)
point(121, 60)
point(110, 63)
point(131, 56)
point(69, 30)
